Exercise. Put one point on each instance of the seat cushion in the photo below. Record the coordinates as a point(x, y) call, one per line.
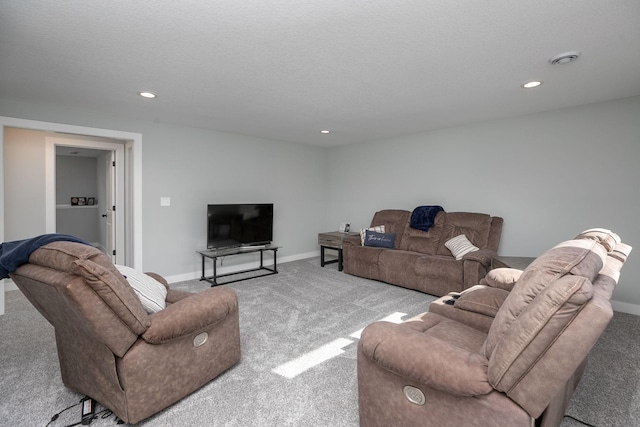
point(431, 350)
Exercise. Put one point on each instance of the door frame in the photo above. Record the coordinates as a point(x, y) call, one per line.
point(133, 158)
point(51, 142)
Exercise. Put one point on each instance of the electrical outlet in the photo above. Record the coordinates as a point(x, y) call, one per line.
point(165, 201)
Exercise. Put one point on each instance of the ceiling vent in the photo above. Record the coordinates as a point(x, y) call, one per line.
point(564, 58)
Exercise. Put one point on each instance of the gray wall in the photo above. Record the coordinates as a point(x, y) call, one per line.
point(194, 167)
point(24, 184)
point(77, 177)
point(550, 175)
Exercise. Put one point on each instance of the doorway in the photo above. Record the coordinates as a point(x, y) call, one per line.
point(89, 182)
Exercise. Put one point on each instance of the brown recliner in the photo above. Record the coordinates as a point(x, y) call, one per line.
point(436, 371)
point(110, 349)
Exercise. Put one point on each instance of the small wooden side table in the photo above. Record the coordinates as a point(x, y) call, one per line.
point(519, 262)
point(332, 240)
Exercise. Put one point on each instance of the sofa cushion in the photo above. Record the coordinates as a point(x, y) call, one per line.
point(116, 293)
point(424, 242)
point(460, 246)
point(550, 292)
point(475, 226)
point(398, 267)
point(438, 268)
point(100, 274)
point(394, 221)
point(534, 330)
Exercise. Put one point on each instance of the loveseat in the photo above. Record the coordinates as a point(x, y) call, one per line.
point(443, 368)
point(421, 260)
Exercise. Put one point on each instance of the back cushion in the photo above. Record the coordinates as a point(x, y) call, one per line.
point(394, 221)
point(476, 226)
point(546, 298)
point(425, 242)
point(100, 274)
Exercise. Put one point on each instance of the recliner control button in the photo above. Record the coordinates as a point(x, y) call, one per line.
point(414, 395)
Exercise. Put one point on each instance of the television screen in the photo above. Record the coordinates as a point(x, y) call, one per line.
point(239, 224)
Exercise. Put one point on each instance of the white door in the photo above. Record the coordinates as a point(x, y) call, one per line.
point(110, 205)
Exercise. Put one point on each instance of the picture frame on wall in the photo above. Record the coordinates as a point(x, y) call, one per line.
point(82, 201)
point(74, 201)
point(91, 201)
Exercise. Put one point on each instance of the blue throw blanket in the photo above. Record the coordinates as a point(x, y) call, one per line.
point(14, 254)
point(422, 217)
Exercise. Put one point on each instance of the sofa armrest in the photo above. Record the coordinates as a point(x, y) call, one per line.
point(481, 299)
point(475, 265)
point(502, 278)
point(351, 241)
point(425, 359)
point(190, 315)
point(483, 256)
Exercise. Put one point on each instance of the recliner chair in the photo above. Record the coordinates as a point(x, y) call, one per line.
point(442, 370)
point(110, 348)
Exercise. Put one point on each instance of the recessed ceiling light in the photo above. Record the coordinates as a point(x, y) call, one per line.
point(147, 94)
point(531, 85)
point(325, 131)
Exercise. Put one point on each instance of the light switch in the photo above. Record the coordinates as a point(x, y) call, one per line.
point(165, 201)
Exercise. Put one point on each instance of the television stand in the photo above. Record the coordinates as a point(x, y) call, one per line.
point(214, 254)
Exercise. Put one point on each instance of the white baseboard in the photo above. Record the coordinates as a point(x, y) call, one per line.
point(625, 307)
point(9, 285)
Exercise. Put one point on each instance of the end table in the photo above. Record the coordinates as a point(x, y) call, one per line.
point(333, 240)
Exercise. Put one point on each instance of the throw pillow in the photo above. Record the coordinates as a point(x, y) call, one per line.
point(460, 246)
point(377, 228)
point(152, 293)
point(381, 240)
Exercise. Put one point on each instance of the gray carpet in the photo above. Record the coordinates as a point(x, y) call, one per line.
point(287, 317)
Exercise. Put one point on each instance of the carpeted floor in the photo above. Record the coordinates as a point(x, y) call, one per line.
point(298, 336)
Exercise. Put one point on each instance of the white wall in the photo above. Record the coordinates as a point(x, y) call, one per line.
point(549, 175)
point(195, 167)
point(24, 184)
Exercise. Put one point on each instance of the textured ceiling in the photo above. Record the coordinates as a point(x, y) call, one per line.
point(284, 70)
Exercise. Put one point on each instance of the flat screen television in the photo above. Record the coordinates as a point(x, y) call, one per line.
point(234, 225)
